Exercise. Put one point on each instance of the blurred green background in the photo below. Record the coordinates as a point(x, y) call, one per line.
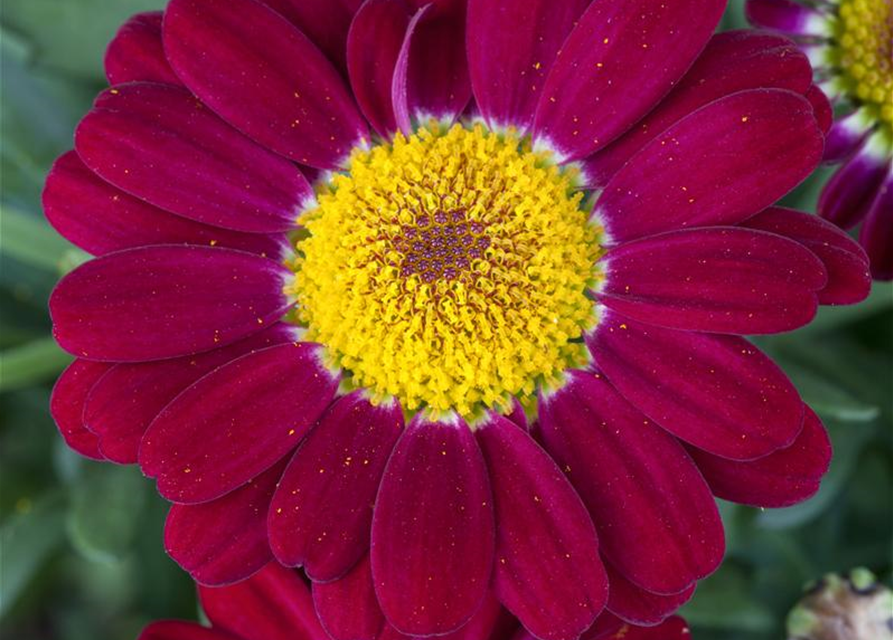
point(81, 553)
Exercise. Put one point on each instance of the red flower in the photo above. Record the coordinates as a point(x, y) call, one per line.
point(850, 42)
point(276, 604)
point(463, 365)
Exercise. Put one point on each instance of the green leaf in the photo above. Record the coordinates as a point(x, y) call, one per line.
point(734, 17)
point(829, 318)
point(827, 398)
point(725, 601)
point(836, 375)
point(71, 36)
point(105, 511)
point(14, 45)
point(37, 121)
point(27, 539)
point(842, 361)
point(31, 363)
point(11, 336)
point(806, 196)
point(32, 241)
point(817, 374)
point(848, 440)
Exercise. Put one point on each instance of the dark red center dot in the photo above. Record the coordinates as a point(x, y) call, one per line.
point(441, 246)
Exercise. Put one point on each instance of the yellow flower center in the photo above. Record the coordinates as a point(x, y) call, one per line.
point(864, 36)
point(449, 270)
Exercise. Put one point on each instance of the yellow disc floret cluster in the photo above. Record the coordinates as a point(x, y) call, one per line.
point(864, 35)
point(449, 270)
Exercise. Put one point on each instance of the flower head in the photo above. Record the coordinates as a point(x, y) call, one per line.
point(850, 43)
point(449, 270)
point(843, 608)
point(483, 343)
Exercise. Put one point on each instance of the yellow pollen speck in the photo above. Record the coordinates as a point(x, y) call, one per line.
point(863, 51)
point(448, 270)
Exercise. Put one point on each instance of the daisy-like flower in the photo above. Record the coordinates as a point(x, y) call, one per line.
point(277, 604)
point(850, 43)
point(496, 342)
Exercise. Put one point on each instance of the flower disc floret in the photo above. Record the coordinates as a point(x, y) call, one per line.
point(449, 270)
point(864, 36)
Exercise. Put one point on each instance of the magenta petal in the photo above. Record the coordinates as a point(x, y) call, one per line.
point(100, 218)
point(720, 165)
point(591, 96)
point(347, 608)
point(718, 392)
point(849, 280)
point(720, 279)
point(845, 136)
point(605, 626)
point(373, 46)
point(176, 630)
point(787, 16)
point(400, 81)
point(674, 628)
point(437, 82)
point(821, 108)
point(848, 195)
point(264, 77)
point(656, 518)
point(67, 405)
point(325, 22)
point(483, 624)
point(322, 513)
point(158, 143)
point(518, 416)
point(511, 46)
point(638, 606)
point(876, 234)
point(274, 604)
point(610, 627)
point(548, 571)
point(122, 405)
point(225, 540)
point(236, 422)
point(486, 624)
point(433, 530)
point(136, 52)
point(732, 61)
point(164, 301)
point(781, 479)
point(491, 622)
